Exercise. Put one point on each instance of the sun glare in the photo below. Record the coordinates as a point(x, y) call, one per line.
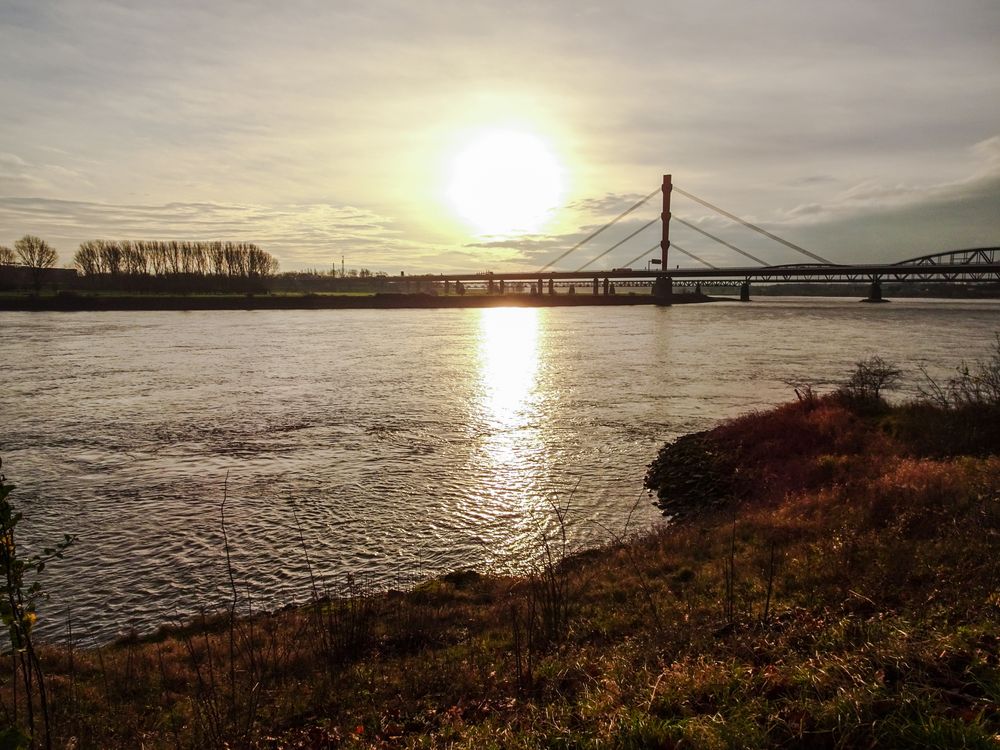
point(506, 183)
point(509, 362)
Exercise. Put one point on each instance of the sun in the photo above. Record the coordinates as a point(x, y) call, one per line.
point(505, 183)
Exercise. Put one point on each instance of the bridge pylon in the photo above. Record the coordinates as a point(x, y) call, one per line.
point(667, 188)
point(875, 291)
point(663, 287)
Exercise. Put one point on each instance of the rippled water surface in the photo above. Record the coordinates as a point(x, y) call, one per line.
point(408, 442)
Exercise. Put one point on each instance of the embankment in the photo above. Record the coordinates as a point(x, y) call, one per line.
point(835, 584)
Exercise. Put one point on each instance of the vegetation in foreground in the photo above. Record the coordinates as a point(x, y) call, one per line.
point(835, 584)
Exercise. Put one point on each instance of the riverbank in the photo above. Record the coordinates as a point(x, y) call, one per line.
point(69, 302)
point(834, 584)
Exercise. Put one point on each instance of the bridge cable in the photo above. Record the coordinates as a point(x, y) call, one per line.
point(754, 227)
point(719, 240)
point(673, 246)
point(619, 244)
point(637, 258)
point(587, 239)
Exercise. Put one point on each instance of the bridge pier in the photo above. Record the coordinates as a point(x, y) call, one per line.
point(875, 291)
point(490, 289)
point(745, 291)
point(606, 283)
point(447, 288)
point(503, 287)
point(663, 290)
point(595, 286)
point(552, 287)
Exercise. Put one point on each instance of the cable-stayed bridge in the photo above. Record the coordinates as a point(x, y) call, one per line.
point(956, 266)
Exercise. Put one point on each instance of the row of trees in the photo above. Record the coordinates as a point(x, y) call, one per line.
point(118, 258)
point(30, 251)
point(355, 273)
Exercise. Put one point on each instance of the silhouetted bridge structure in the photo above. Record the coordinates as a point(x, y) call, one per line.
point(974, 265)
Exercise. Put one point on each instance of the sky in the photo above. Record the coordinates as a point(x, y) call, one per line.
point(863, 131)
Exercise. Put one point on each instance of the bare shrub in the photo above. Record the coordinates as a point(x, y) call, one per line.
point(972, 385)
point(870, 378)
point(804, 392)
point(553, 595)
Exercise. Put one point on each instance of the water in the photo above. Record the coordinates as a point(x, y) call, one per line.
point(408, 442)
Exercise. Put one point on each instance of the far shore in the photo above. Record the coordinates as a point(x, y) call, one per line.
point(80, 302)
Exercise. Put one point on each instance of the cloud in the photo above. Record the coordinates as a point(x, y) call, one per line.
point(531, 243)
point(299, 235)
point(806, 209)
point(898, 222)
point(320, 128)
point(20, 176)
point(818, 179)
point(538, 250)
point(873, 196)
point(611, 204)
point(865, 222)
point(989, 152)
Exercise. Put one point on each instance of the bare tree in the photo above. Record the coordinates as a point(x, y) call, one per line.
point(88, 258)
point(38, 255)
point(134, 260)
point(6, 256)
point(111, 257)
point(260, 262)
point(233, 259)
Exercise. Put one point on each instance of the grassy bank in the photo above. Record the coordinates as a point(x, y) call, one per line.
point(834, 584)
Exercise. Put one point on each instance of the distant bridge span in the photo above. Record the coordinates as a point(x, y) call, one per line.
point(976, 264)
point(972, 265)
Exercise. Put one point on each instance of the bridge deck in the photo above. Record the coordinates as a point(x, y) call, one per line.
point(818, 272)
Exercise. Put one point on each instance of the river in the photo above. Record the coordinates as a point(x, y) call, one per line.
point(406, 443)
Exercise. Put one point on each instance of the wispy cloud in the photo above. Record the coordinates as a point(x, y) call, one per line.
point(300, 235)
point(609, 204)
point(19, 176)
point(873, 196)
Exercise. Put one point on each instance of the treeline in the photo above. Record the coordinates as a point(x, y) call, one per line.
point(355, 273)
point(126, 258)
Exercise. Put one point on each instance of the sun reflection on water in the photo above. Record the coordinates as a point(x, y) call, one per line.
point(513, 451)
point(508, 364)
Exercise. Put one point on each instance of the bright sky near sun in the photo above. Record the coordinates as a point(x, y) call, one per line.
point(462, 136)
point(505, 183)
